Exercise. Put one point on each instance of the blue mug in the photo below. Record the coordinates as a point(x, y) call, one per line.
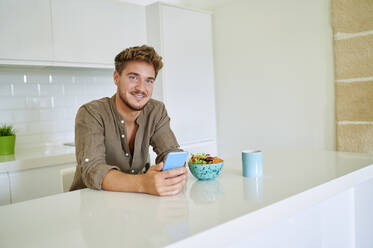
point(252, 163)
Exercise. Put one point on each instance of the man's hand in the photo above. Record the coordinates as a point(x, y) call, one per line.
point(164, 183)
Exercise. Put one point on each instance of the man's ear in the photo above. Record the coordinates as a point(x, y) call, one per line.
point(116, 77)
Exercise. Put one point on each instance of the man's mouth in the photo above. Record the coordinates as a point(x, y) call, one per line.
point(139, 95)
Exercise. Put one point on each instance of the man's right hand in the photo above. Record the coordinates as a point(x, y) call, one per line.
point(164, 183)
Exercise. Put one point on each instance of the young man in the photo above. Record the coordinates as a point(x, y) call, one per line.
point(112, 135)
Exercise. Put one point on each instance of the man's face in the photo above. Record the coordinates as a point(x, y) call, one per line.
point(135, 84)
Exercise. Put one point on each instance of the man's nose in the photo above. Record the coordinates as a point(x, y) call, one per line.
point(140, 84)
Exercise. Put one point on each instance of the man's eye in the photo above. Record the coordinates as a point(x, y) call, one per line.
point(132, 77)
point(150, 81)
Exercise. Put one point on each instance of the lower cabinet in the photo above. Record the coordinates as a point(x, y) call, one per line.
point(4, 189)
point(36, 183)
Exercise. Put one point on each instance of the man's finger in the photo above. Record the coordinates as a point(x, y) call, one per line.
point(174, 172)
point(174, 180)
point(159, 166)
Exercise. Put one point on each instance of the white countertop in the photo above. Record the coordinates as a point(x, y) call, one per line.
point(35, 157)
point(291, 180)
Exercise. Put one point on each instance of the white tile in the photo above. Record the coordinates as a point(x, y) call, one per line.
point(9, 76)
point(100, 90)
point(70, 113)
point(45, 102)
point(6, 116)
point(63, 75)
point(32, 102)
point(58, 137)
point(84, 76)
point(51, 138)
point(7, 103)
point(37, 76)
point(20, 128)
point(26, 89)
point(64, 101)
point(44, 108)
point(23, 115)
point(75, 89)
point(38, 128)
point(5, 89)
point(69, 136)
point(38, 102)
point(27, 140)
point(52, 114)
point(51, 89)
point(80, 100)
point(64, 126)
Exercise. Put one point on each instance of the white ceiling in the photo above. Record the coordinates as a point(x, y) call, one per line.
point(195, 4)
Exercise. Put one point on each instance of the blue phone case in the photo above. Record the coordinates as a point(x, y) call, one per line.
point(175, 160)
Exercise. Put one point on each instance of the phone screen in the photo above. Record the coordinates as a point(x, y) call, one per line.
point(175, 160)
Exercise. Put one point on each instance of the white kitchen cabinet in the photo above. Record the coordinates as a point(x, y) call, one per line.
point(25, 28)
point(186, 83)
point(74, 33)
point(94, 31)
point(4, 189)
point(36, 183)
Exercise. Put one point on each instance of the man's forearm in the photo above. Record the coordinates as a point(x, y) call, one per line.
point(154, 181)
point(116, 180)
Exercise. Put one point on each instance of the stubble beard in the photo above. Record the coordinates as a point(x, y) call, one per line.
point(124, 100)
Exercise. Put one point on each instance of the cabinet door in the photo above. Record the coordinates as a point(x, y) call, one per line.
point(25, 30)
point(4, 189)
point(188, 74)
point(94, 31)
point(36, 183)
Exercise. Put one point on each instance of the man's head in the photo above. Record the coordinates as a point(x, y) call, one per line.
point(143, 53)
point(135, 71)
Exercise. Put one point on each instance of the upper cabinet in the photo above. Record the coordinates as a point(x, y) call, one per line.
point(25, 28)
point(186, 83)
point(82, 33)
point(94, 31)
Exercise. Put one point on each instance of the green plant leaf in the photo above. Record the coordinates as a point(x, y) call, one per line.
point(7, 130)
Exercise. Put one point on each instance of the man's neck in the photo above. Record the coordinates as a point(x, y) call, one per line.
point(129, 115)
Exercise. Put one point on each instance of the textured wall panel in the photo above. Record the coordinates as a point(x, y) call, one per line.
point(352, 16)
point(354, 57)
point(355, 138)
point(354, 101)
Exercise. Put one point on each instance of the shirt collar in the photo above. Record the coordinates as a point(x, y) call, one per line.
point(139, 120)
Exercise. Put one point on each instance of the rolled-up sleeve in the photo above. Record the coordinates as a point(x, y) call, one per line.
point(90, 148)
point(163, 140)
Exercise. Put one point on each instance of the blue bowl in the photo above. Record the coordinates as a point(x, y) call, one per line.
point(206, 171)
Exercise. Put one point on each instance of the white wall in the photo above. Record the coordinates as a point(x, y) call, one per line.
point(274, 75)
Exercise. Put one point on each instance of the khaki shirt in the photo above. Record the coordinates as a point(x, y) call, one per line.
point(101, 142)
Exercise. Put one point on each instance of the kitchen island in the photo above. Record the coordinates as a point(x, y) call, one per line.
point(304, 199)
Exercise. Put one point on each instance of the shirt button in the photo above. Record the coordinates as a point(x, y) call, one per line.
point(122, 121)
point(86, 160)
point(126, 154)
point(133, 171)
point(122, 136)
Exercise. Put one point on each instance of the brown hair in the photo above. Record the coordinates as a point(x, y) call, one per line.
point(144, 53)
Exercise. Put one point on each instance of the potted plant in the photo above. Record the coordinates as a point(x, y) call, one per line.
point(7, 139)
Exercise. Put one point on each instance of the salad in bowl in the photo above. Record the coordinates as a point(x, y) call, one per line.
point(205, 167)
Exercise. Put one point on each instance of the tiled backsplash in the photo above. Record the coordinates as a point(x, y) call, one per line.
point(41, 103)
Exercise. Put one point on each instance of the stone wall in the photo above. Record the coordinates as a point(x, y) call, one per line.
point(352, 22)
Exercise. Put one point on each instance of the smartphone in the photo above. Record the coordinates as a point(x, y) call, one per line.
point(175, 160)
